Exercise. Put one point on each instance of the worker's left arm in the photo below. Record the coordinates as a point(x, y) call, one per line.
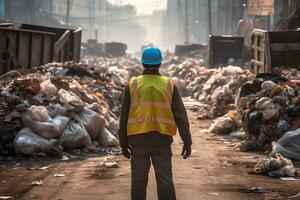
point(123, 121)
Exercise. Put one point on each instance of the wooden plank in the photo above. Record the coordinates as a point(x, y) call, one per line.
point(48, 50)
point(61, 42)
point(37, 40)
point(285, 46)
point(12, 50)
point(23, 60)
point(77, 44)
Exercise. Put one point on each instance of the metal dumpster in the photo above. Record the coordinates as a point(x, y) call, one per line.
point(21, 49)
point(31, 46)
point(67, 41)
point(222, 48)
point(275, 49)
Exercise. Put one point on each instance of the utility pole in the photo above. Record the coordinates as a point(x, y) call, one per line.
point(8, 9)
point(90, 18)
point(209, 18)
point(186, 28)
point(68, 14)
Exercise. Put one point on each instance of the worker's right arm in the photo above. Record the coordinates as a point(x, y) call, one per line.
point(181, 118)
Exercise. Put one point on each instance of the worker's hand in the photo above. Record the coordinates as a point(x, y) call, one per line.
point(126, 152)
point(186, 151)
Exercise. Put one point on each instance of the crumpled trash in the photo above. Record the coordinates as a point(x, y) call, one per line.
point(107, 139)
point(48, 89)
point(267, 107)
point(38, 120)
point(74, 136)
point(277, 166)
point(29, 143)
point(288, 145)
point(71, 101)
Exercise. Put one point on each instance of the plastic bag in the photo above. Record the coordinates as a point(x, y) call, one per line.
point(38, 113)
point(92, 122)
point(238, 135)
point(27, 142)
point(74, 136)
point(57, 109)
point(223, 125)
point(113, 126)
point(71, 101)
point(107, 139)
point(50, 128)
point(288, 145)
point(48, 89)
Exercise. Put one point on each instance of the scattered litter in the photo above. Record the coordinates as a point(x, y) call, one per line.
point(65, 158)
point(6, 197)
point(256, 190)
point(214, 193)
point(59, 175)
point(37, 183)
point(44, 168)
point(111, 164)
point(288, 179)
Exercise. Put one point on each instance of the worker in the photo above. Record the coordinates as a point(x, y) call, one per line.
point(152, 110)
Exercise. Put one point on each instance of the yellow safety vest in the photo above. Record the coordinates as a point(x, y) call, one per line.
point(150, 108)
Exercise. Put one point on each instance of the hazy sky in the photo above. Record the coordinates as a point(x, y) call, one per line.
point(144, 6)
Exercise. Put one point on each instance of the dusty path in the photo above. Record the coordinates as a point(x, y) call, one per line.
point(214, 171)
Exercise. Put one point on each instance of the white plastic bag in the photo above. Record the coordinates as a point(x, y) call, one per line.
point(92, 122)
point(39, 121)
point(27, 142)
point(74, 136)
point(107, 139)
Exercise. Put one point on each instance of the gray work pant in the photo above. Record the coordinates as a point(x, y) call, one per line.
point(141, 159)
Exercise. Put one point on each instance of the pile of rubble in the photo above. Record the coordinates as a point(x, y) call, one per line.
point(215, 88)
point(62, 106)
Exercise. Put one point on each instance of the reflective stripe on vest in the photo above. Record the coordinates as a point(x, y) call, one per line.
point(150, 110)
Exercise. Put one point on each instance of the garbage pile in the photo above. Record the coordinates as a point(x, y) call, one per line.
point(62, 106)
point(215, 88)
point(268, 107)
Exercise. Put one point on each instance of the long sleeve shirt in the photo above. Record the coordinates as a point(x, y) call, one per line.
point(154, 137)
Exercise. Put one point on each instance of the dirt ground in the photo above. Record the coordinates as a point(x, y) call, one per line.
point(214, 171)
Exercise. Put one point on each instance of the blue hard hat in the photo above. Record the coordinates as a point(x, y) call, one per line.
point(151, 56)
